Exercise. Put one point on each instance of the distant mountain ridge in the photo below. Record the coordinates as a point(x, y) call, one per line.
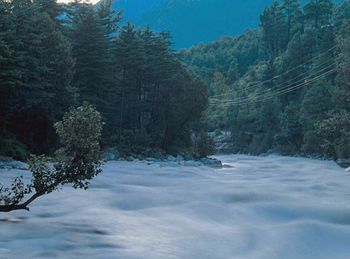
point(195, 21)
point(134, 9)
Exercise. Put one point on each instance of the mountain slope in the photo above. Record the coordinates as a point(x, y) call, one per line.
point(195, 21)
point(134, 9)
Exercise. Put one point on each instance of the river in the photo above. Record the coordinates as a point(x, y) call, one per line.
point(256, 207)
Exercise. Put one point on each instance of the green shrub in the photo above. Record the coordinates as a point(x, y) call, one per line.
point(11, 147)
point(204, 144)
point(76, 162)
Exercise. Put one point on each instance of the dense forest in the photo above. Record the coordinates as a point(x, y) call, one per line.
point(55, 56)
point(118, 143)
point(284, 86)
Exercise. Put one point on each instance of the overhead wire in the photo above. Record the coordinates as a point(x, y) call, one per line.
point(280, 87)
point(292, 80)
point(257, 83)
point(276, 94)
point(238, 101)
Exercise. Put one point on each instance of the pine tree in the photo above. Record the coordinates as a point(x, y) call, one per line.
point(319, 13)
point(43, 70)
point(335, 128)
point(273, 24)
point(91, 48)
point(290, 136)
point(293, 14)
point(10, 75)
point(315, 106)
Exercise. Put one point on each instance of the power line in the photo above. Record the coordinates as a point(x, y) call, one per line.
point(284, 87)
point(257, 83)
point(281, 85)
point(278, 93)
point(262, 82)
point(270, 97)
point(286, 91)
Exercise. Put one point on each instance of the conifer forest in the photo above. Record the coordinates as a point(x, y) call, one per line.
point(175, 129)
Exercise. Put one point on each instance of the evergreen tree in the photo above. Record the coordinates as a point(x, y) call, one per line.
point(335, 128)
point(290, 136)
point(319, 13)
point(91, 49)
point(293, 14)
point(289, 96)
point(273, 24)
point(10, 75)
point(315, 106)
point(42, 65)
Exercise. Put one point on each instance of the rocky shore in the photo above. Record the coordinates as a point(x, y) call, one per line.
point(8, 163)
point(112, 154)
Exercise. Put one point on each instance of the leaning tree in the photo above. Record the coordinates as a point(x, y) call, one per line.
point(75, 163)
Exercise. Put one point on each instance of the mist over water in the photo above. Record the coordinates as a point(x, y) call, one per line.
point(260, 207)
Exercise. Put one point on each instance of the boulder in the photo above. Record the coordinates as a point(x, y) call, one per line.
point(193, 163)
point(110, 154)
point(211, 162)
point(19, 165)
point(170, 164)
point(272, 152)
point(171, 158)
point(179, 158)
point(129, 158)
point(345, 163)
point(188, 156)
point(5, 166)
point(14, 165)
point(152, 160)
point(223, 141)
point(6, 159)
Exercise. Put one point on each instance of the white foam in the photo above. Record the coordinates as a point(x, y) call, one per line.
point(262, 207)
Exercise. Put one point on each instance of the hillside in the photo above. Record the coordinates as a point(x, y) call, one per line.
point(283, 86)
point(134, 9)
point(211, 19)
point(194, 21)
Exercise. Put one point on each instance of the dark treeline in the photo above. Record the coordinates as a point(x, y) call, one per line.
point(286, 85)
point(55, 56)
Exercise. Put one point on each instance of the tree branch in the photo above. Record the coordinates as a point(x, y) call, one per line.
point(23, 206)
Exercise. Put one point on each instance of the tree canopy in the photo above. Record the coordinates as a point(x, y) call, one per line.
point(290, 80)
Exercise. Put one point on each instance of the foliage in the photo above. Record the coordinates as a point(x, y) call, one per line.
point(335, 132)
point(157, 98)
point(57, 56)
point(204, 144)
point(11, 147)
point(300, 47)
point(76, 163)
point(36, 72)
point(78, 159)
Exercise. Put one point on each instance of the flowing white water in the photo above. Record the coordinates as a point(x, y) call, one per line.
point(263, 207)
